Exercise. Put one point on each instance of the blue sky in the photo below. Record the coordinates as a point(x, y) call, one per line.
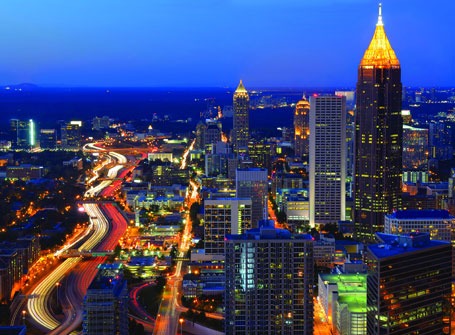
point(267, 43)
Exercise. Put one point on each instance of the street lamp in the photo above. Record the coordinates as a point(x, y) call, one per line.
point(58, 285)
point(181, 325)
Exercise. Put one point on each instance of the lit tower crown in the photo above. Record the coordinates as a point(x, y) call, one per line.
point(380, 53)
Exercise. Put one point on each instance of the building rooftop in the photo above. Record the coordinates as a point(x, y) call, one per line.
point(268, 233)
point(421, 214)
point(393, 245)
point(352, 290)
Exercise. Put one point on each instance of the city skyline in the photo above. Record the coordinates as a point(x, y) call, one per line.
point(172, 43)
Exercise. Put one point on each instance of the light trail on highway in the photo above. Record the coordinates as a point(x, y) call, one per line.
point(38, 307)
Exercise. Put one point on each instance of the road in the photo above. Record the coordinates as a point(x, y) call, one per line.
point(167, 321)
point(105, 236)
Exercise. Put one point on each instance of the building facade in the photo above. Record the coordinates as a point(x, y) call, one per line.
point(378, 136)
point(252, 183)
point(223, 217)
point(327, 159)
point(269, 283)
point(415, 148)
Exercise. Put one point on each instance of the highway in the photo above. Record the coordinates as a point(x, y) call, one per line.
point(38, 307)
point(107, 225)
point(79, 279)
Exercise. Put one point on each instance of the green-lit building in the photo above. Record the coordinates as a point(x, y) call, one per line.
point(344, 299)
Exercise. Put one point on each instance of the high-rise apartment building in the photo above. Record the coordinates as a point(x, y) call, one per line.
point(222, 217)
point(302, 128)
point(269, 283)
point(241, 129)
point(327, 159)
point(252, 183)
point(378, 136)
point(408, 285)
point(106, 303)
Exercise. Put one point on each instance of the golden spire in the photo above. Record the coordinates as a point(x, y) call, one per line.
point(380, 52)
point(241, 88)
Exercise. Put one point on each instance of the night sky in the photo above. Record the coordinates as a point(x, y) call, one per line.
point(202, 43)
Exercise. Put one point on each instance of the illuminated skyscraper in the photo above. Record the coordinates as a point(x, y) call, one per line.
point(301, 128)
point(23, 134)
point(327, 159)
point(241, 129)
point(378, 136)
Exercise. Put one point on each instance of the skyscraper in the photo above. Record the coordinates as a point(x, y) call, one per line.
point(241, 129)
point(269, 283)
point(408, 285)
point(378, 136)
point(327, 159)
point(106, 303)
point(22, 134)
point(301, 128)
point(253, 183)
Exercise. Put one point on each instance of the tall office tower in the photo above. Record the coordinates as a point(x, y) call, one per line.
point(106, 303)
point(252, 183)
point(212, 134)
point(408, 285)
point(71, 135)
point(415, 148)
point(223, 217)
point(22, 134)
point(301, 128)
point(440, 140)
point(269, 283)
point(241, 129)
point(48, 139)
point(327, 159)
point(200, 131)
point(378, 136)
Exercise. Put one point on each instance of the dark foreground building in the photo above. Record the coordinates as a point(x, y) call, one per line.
point(269, 283)
point(409, 285)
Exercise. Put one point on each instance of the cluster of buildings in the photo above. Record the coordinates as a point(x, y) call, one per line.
point(350, 171)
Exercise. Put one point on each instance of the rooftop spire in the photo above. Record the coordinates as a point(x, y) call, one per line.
point(241, 88)
point(380, 23)
point(380, 52)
